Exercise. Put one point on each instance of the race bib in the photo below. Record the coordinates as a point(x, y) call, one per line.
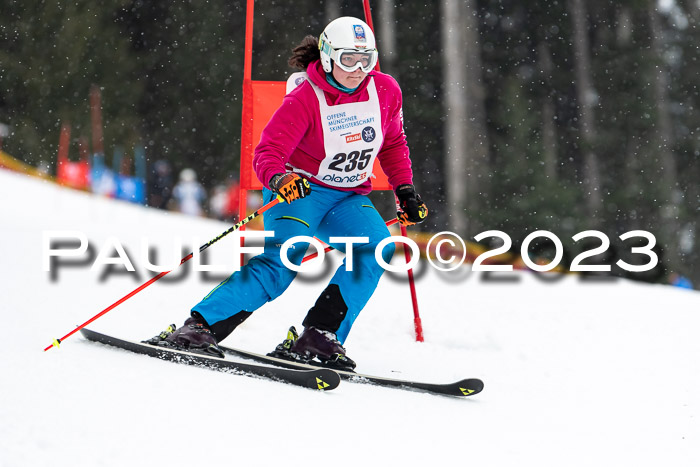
point(352, 138)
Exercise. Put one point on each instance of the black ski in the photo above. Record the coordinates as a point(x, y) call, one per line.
point(463, 388)
point(313, 378)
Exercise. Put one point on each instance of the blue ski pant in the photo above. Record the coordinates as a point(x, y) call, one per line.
point(323, 214)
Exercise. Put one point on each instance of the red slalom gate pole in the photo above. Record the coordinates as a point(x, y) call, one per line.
point(418, 325)
point(411, 282)
point(368, 16)
point(237, 226)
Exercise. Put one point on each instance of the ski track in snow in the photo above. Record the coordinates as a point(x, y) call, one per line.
point(577, 373)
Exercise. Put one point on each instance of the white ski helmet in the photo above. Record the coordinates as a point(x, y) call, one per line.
point(349, 42)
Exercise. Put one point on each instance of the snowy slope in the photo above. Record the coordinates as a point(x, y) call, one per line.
point(577, 373)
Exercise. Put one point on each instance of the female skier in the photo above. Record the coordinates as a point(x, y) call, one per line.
point(317, 153)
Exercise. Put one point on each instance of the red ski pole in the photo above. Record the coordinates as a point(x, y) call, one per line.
point(237, 226)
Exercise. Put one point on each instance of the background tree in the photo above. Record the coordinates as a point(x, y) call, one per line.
point(460, 178)
point(50, 56)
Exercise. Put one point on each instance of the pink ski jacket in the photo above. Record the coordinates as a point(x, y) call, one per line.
point(294, 134)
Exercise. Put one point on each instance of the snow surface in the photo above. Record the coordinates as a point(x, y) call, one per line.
point(577, 373)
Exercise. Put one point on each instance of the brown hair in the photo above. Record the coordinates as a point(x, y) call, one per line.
point(305, 53)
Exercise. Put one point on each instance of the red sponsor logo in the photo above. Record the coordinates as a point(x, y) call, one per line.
point(351, 138)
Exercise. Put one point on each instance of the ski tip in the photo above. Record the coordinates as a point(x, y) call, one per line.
point(469, 387)
point(325, 380)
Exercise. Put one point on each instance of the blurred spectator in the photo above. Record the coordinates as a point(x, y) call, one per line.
point(224, 202)
point(218, 202)
point(102, 178)
point(160, 184)
point(130, 176)
point(232, 198)
point(679, 281)
point(4, 133)
point(189, 193)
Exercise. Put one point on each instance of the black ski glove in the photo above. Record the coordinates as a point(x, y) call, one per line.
point(411, 209)
point(290, 186)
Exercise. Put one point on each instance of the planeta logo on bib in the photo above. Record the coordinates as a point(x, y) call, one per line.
point(333, 179)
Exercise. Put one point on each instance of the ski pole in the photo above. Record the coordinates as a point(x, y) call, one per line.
point(330, 248)
point(237, 226)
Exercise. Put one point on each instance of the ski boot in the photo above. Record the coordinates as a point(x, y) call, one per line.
point(284, 349)
point(193, 336)
point(314, 343)
point(156, 340)
point(324, 346)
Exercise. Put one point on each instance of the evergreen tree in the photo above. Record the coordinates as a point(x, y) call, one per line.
point(52, 53)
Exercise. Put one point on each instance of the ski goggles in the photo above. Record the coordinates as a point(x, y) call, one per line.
point(350, 60)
